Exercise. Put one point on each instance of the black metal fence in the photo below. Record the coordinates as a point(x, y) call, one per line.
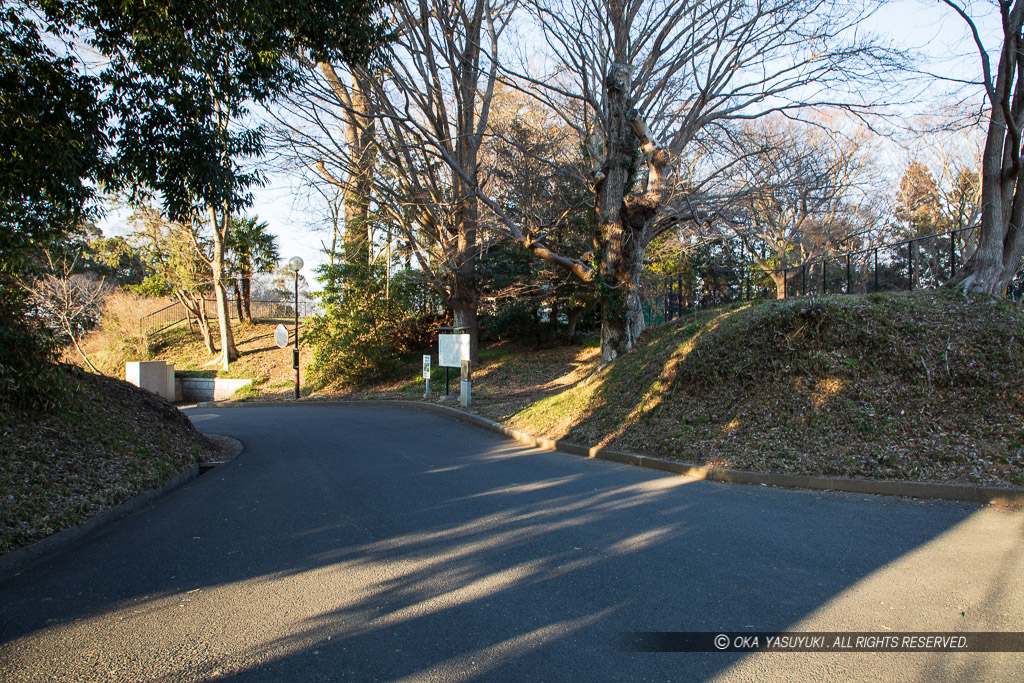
point(726, 274)
point(262, 311)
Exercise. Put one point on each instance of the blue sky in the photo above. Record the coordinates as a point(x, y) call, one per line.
point(928, 25)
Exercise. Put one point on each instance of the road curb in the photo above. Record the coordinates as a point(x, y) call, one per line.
point(16, 561)
point(987, 495)
point(229, 441)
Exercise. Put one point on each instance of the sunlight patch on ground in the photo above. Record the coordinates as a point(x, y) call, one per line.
point(642, 541)
point(943, 585)
point(472, 665)
point(349, 592)
point(582, 367)
point(657, 392)
point(556, 415)
point(826, 389)
point(527, 488)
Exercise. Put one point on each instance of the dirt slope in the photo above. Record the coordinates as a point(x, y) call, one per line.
point(924, 386)
point(109, 442)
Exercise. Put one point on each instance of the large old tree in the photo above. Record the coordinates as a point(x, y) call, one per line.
point(412, 129)
point(997, 259)
point(651, 88)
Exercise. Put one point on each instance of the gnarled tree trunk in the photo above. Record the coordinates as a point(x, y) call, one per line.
point(625, 219)
point(997, 259)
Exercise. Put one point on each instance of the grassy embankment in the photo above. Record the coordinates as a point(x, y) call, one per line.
point(925, 386)
point(107, 442)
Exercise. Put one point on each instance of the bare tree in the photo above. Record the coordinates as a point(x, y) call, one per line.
point(70, 302)
point(647, 86)
point(800, 192)
point(997, 259)
point(650, 84)
point(412, 131)
point(940, 189)
point(358, 154)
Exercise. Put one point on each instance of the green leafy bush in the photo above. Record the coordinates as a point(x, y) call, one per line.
point(366, 328)
point(30, 379)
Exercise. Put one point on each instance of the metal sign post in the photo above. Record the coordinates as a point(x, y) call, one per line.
point(295, 265)
point(426, 374)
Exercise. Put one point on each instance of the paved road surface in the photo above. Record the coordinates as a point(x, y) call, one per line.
point(358, 543)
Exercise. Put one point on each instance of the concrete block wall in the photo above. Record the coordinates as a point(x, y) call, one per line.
point(158, 377)
point(152, 375)
point(208, 388)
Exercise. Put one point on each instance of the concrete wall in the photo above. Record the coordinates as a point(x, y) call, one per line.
point(208, 388)
point(152, 375)
point(158, 377)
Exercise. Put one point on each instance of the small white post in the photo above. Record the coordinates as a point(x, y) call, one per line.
point(466, 384)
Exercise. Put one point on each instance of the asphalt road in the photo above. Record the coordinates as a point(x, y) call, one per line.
point(358, 543)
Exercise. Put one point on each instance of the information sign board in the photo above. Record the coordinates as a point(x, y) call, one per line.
point(452, 350)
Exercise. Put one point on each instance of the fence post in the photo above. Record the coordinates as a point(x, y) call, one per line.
point(876, 269)
point(664, 298)
point(672, 301)
point(679, 295)
point(952, 254)
point(668, 298)
point(910, 257)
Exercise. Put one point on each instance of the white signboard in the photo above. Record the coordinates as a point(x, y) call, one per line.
point(426, 367)
point(452, 350)
point(281, 336)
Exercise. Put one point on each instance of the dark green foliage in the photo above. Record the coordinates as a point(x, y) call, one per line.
point(515, 320)
point(363, 333)
point(30, 380)
point(526, 298)
point(251, 250)
point(115, 259)
point(176, 82)
point(46, 154)
point(182, 74)
point(536, 175)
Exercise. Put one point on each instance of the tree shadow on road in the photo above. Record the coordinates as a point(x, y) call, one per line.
point(455, 557)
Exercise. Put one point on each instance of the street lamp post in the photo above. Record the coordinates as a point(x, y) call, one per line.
point(295, 265)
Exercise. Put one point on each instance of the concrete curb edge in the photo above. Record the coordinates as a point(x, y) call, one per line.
point(235, 444)
point(16, 561)
point(989, 495)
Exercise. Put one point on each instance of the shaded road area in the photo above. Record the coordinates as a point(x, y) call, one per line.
point(379, 543)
